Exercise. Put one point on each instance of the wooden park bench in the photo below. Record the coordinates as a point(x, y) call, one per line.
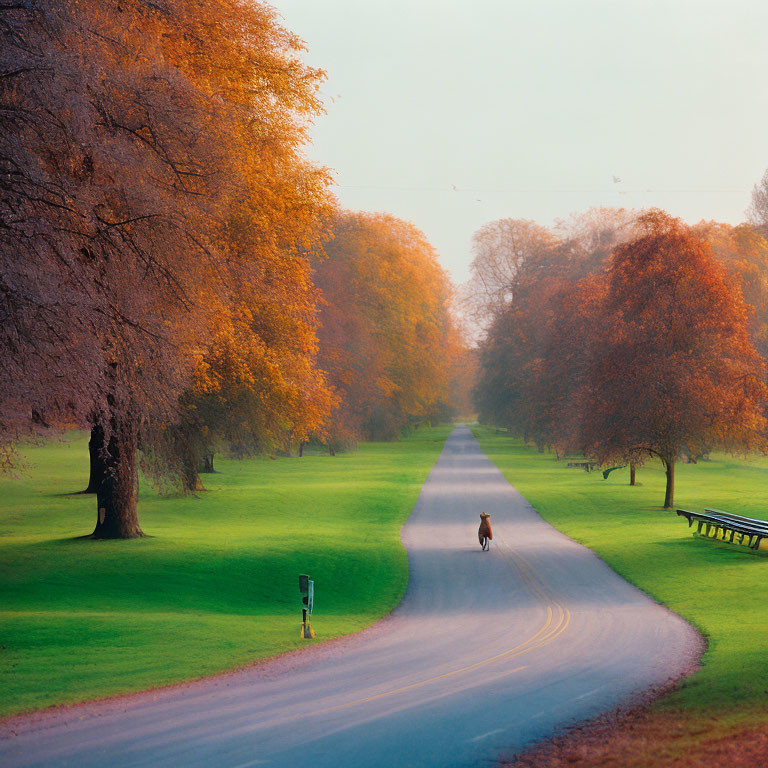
point(729, 527)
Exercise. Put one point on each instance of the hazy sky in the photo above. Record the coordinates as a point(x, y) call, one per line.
point(530, 108)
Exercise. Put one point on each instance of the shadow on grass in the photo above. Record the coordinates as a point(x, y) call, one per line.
point(86, 537)
point(713, 552)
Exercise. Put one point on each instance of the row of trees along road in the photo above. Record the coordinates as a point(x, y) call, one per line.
point(387, 338)
point(624, 335)
point(159, 225)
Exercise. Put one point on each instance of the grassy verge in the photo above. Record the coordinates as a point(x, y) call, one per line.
point(719, 588)
point(213, 585)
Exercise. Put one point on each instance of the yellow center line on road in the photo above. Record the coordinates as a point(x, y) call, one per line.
point(409, 687)
point(541, 638)
point(545, 635)
point(476, 665)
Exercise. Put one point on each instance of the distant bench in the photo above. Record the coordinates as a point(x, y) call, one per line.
point(585, 465)
point(742, 530)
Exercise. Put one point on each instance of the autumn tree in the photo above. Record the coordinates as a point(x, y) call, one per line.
point(674, 370)
point(589, 236)
point(744, 253)
point(572, 328)
point(463, 377)
point(510, 357)
point(499, 251)
point(151, 158)
point(386, 335)
point(536, 333)
point(573, 323)
point(257, 389)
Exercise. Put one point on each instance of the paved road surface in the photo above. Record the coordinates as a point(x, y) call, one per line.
point(488, 652)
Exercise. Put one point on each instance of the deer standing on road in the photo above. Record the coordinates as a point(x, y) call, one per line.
point(484, 533)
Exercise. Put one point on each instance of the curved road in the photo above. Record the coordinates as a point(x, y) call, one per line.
point(486, 653)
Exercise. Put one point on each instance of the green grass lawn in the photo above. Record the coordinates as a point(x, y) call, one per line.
point(719, 588)
point(214, 584)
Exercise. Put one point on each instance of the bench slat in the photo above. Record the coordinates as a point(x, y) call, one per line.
point(738, 518)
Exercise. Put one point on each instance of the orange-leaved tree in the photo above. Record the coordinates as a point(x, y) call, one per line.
point(152, 160)
point(386, 335)
point(744, 252)
point(675, 369)
point(257, 388)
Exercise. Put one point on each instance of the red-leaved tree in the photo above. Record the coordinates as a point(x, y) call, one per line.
point(674, 370)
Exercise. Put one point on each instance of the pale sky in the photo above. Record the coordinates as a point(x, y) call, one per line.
point(530, 108)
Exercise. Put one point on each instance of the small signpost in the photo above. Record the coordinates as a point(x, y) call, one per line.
point(307, 589)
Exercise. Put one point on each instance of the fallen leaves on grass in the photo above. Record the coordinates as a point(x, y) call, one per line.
point(648, 738)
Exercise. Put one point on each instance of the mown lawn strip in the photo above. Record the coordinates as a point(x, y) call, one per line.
point(213, 586)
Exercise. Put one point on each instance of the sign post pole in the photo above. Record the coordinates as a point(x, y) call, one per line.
point(307, 589)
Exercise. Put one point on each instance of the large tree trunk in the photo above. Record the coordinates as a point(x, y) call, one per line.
point(632, 469)
point(207, 467)
point(669, 495)
point(118, 492)
point(190, 479)
point(98, 464)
